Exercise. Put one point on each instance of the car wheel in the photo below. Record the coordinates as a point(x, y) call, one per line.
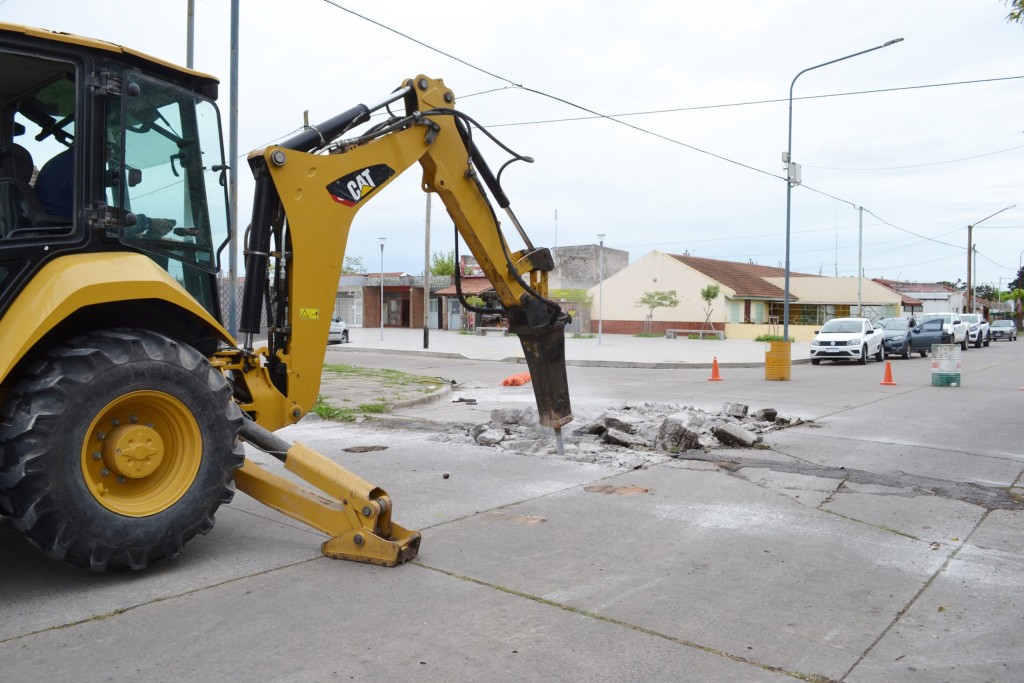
point(977, 344)
point(963, 344)
point(906, 351)
point(344, 337)
point(988, 340)
point(863, 360)
point(924, 353)
point(880, 354)
point(815, 361)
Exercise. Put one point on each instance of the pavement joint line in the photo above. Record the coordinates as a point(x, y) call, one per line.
point(914, 599)
point(953, 451)
point(504, 506)
point(155, 601)
point(624, 624)
point(880, 527)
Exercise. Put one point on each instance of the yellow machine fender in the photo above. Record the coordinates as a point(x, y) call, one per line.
point(73, 282)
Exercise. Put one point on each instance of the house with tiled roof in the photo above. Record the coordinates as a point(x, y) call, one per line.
point(934, 297)
point(750, 303)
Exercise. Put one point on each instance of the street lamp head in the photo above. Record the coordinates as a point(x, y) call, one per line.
point(893, 42)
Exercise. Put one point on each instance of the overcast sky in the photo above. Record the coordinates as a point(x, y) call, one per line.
point(698, 92)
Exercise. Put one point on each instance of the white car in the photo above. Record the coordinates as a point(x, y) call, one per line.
point(952, 323)
point(978, 331)
point(847, 339)
point(338, 333)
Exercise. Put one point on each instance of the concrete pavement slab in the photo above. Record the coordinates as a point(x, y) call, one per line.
point(822, 447)
point(324, 620)
point(38, 593)
point(706, 558)
point(411, 469)
point(968, 624)
point(923, 516)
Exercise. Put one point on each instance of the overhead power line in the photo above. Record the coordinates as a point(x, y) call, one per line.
point(615, 118)
point(747, 103)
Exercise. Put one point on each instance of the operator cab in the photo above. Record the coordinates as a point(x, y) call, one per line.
point(102, 149)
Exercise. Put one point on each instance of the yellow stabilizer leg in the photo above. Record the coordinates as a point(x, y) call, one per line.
point(356, 515)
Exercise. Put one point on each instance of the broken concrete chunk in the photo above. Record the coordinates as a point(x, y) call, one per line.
point(490, 437)
point(734, 435)
point(617, 437)
point(675, 435)
point(765, 414)
point(622, 422)
point(476, 430)
point(735, 409)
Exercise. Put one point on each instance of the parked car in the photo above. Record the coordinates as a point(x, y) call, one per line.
point(978, 331)
point(926, 334)
point(1004, 329)
point(847, 339)
point(957, 328)
point(896, 336)
point(338, 333)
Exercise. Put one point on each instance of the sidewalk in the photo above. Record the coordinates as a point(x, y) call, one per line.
point(612, 350)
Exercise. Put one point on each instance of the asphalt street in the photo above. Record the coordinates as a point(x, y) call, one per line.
point(879, 540)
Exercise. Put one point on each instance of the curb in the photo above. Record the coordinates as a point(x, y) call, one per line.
point(666, 365)
point(445, 390)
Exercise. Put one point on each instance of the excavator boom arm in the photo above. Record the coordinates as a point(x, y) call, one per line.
point(308, 192)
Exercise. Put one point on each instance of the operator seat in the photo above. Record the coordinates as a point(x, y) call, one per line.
point(18, 202)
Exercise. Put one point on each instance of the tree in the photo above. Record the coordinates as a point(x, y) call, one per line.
point(442, 263)
point(1016, 11)
point(959, 285)
point(709, 294)
point(353, 264)
point(1017, 282)
point(653, 300)
point(986, 292)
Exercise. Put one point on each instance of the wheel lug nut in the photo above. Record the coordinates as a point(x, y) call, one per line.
point(121, 480)
point(97, 455)
point(133, 419)
point(101, 435)
point(104, 472)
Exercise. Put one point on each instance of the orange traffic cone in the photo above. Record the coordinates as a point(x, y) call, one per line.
point(715, 377)
point(887, 380)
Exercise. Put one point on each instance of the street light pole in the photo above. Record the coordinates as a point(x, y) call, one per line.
point(382, 287)
point(600, 284)
point(970, 248)
point(790, 168)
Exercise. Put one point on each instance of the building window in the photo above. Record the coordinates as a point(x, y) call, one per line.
point(809, 314)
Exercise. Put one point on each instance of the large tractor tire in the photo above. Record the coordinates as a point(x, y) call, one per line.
point(118, 448)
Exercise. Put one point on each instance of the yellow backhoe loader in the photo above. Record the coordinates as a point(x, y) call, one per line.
point(125, 400)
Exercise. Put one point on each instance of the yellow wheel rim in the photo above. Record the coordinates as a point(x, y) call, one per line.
point(141, 453)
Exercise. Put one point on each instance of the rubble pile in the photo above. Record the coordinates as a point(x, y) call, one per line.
point(635, 434)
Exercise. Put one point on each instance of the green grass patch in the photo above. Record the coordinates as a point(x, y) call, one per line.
point(647, 334)
point(387, 378)
point(772, 337)
point(329, 412)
